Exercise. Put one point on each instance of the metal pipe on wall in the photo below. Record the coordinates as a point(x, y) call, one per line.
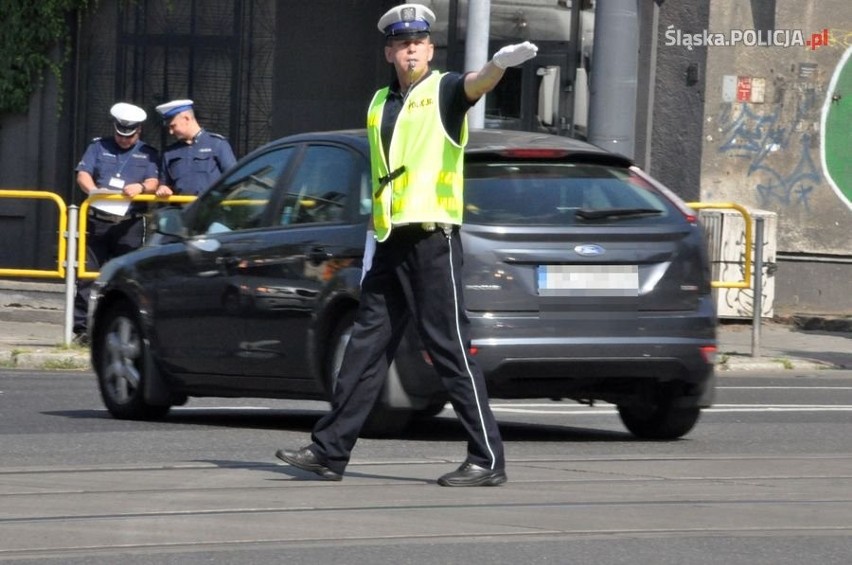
point(757, 292)
point(612, 109)
point(476, 51)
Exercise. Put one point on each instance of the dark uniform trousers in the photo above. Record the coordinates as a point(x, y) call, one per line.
point(107, 236)
point(415, 273)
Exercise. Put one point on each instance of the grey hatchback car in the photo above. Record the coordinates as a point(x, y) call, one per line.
point(585, 279)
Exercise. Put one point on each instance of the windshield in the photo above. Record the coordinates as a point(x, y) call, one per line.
point(559, 194)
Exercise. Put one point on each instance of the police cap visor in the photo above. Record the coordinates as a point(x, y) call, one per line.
point(126, 128)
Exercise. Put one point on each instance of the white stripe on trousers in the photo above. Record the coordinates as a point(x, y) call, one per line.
point(464, 355)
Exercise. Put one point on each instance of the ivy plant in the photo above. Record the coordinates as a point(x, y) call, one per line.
point(29, 32)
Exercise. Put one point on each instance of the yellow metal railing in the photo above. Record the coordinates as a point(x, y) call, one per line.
point(59, 272)
point(82, 273)
point(746, 282)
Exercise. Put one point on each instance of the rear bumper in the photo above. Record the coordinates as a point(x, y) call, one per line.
point(608, 359)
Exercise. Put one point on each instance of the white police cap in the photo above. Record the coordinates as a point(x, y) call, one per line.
point(127, 117)
point(407, 21)
point(173, 108)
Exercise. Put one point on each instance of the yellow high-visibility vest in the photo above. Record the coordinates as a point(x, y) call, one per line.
point(431, 187)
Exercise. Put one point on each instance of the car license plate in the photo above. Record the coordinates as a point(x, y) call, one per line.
point(588, 280)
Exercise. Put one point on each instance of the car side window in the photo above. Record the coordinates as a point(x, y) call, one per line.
point(238, 203)
point(365, 207)
point(320, 189)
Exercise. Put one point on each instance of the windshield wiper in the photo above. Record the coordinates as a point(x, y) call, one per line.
point(615, 213)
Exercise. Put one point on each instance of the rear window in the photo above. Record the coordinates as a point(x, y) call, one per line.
point(559, 194)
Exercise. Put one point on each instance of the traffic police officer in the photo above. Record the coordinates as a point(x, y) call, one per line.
point(198, 157)
point(120, 164)
point(417, 130)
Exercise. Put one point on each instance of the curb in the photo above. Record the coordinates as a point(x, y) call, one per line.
point(42, 360)
point(79, 359)
point(744, 363)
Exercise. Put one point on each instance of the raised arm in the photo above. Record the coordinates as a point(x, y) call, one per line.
point(478, 83)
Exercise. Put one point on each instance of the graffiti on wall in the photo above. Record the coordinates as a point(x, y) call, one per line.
point(726, 243)
point(793, 135)
point(777, 144)
point(839, 38)
point(739, 302)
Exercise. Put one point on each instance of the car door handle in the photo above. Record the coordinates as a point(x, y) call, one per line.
point(318, 255)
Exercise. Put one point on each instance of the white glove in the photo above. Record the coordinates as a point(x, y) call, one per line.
point(369, 251)
point(514, 55)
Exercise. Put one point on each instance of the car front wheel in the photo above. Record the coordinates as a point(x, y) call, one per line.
point(121, 362)
point(383, 420)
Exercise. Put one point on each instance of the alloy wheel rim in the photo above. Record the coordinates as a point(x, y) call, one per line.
point(122, 350)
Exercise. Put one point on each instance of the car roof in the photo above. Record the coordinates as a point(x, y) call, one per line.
point(485, 142)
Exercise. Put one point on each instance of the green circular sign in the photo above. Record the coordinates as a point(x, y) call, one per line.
point(836, 146)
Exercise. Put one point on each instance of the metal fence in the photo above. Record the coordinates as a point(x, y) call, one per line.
point(71, 243)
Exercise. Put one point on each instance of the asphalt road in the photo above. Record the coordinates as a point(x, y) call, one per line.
point(765, 478)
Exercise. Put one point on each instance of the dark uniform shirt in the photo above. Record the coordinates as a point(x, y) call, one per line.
point(189, 168)
point(104, 159)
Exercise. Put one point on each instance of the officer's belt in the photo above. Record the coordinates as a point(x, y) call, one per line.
point(428, 226)
point(107, 217)
point(433, 226)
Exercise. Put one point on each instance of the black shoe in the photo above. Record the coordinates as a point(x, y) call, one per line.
point(470, 475)
point(306, 460)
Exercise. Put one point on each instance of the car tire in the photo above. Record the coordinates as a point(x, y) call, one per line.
point(662, 419)
point(383, 420)
point(123, 363)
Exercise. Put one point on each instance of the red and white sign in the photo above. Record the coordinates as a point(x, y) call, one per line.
point(743, 89)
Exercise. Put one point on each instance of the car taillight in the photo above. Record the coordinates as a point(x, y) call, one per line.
point(688, 213)
point(708, 352)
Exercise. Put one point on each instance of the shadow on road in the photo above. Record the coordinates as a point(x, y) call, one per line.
point(295, 474)
point(439, 428)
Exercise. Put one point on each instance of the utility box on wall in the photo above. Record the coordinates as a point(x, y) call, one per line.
point(725, 232)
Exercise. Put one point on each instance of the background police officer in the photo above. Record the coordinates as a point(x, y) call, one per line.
point(417, 132)
point(198, 157)
point(119, 164)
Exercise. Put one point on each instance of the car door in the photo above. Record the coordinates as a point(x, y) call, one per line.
point(315, 249)
point(200, 300)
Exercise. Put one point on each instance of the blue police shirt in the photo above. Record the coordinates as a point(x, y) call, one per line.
point(105, 159)
point(190, 168)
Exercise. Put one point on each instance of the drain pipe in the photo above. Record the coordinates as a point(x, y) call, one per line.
point(613, 88)
point(757, 292)
point(476, 51)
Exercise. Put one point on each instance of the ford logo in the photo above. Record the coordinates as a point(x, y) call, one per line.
point(589, 250)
